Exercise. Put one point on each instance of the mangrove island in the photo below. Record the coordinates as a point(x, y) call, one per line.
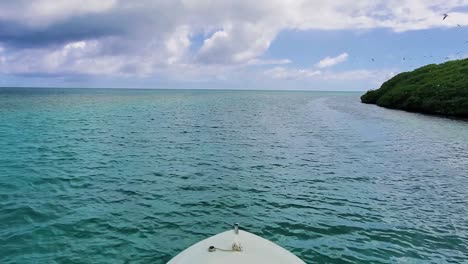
point(440, 89)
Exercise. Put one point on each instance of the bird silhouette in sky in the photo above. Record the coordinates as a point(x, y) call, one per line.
point(445, 16)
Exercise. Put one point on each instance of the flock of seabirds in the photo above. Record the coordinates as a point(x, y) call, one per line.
point(445, 16)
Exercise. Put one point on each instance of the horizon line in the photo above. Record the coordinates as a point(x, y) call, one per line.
point(202, 89)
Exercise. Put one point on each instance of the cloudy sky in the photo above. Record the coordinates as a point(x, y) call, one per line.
point(238, 44)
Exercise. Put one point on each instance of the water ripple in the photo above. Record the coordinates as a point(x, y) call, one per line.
point(119, 176)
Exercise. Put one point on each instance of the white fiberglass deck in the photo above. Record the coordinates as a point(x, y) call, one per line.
point(254, 250)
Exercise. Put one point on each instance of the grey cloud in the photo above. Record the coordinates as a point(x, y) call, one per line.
point(19, 36)
point(129, 24)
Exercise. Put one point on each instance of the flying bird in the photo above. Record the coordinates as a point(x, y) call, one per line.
point(372, 59)
point(445, 16)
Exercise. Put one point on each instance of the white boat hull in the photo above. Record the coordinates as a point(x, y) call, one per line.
point(254, 250)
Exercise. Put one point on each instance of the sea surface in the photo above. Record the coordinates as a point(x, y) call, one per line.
point(136, 176)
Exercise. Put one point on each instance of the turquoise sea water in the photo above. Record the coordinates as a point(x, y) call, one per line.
point(136, 176)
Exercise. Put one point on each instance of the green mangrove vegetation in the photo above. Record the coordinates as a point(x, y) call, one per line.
point(440, 89)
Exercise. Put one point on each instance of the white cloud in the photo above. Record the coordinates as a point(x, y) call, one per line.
point(177, 44)
point(268, 62)
point(312, 74)
point(236, 43)
point(331, 61)
point(284, 73)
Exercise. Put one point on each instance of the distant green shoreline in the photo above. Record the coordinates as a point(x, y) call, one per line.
point(440, 89)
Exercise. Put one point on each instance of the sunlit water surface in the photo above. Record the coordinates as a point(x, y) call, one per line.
point(136, 176)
